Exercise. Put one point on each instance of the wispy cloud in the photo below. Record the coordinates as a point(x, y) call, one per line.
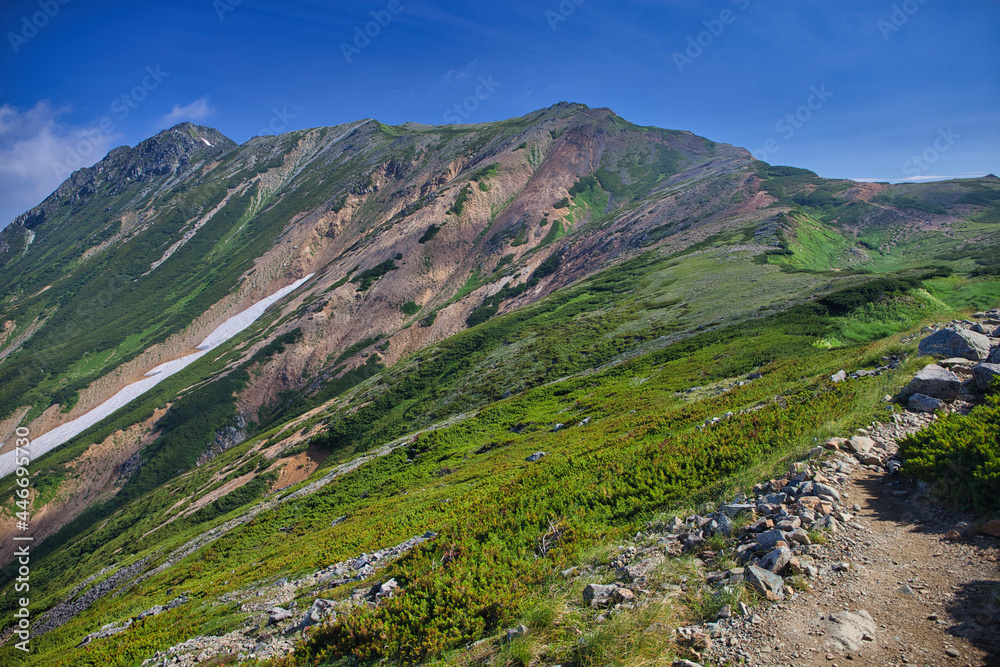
point(35, 146)
point(922, 178)
point(454, 76)
point(198, 110)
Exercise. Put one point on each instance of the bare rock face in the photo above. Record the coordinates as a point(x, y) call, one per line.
point(956, 343)
point(935, 382)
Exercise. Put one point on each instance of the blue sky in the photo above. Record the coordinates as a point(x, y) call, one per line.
point(848, 88)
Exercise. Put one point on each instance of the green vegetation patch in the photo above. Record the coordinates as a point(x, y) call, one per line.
point(366, 278)
point(960, 456)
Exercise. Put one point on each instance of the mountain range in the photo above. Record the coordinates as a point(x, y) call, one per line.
point(380, 324)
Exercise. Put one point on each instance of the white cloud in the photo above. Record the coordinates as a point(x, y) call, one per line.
point(453, 76)
point(198, 110)
point(37, 152)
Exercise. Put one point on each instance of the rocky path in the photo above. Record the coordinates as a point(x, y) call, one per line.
point(919, 585)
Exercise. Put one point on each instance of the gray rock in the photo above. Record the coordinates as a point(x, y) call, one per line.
point(845, 630)
point(535, 456)
point(825, 490)
point(685, 663)
point(762, 580)
point(642, 568)
point(725, 524)
point(277, 615)
point(986, 374)
point(321, 610)
point(956, 343)
point(769, 539)
point(598, 594)
point(800, 536)
point(934, 381)
point(776, 560)
point(693, 541)
point(994, 357)
point(839, 376)
point(514, 633)
point(732, 510)
point(924, 403)
point(860, 444)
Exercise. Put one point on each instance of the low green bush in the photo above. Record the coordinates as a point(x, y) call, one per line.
point(960, 456)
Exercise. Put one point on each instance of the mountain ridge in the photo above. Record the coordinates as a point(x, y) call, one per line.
point(468, 279)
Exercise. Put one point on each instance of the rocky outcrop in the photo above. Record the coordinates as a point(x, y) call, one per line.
point(934, 381)
point(963, 343)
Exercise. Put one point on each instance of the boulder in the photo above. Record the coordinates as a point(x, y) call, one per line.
point(534, 457)
point(839, 376)
point(985, 375)
point(763, 581)
point(936, 382)
point(956, 343)
point(924, 403)
point(994, 357)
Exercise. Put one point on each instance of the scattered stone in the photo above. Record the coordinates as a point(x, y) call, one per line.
point(776, 560)
point(826, 490)
point(770, 539)
point(321, 610)
point(839, 376)
point(598, 594)
point(277, 615)
point(952, 653)
point(860, 444)
point(763, 580)
point(534, 457)
point(515, 633)
point(732, 510)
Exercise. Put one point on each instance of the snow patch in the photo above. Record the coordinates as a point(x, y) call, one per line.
point(234, 325)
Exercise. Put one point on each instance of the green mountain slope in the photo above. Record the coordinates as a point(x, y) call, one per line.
point(565, 282)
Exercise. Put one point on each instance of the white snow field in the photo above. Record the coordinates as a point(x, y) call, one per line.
point(234, 325)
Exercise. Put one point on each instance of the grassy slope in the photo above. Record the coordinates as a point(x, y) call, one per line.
point(602, 480)
point(638, 456)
